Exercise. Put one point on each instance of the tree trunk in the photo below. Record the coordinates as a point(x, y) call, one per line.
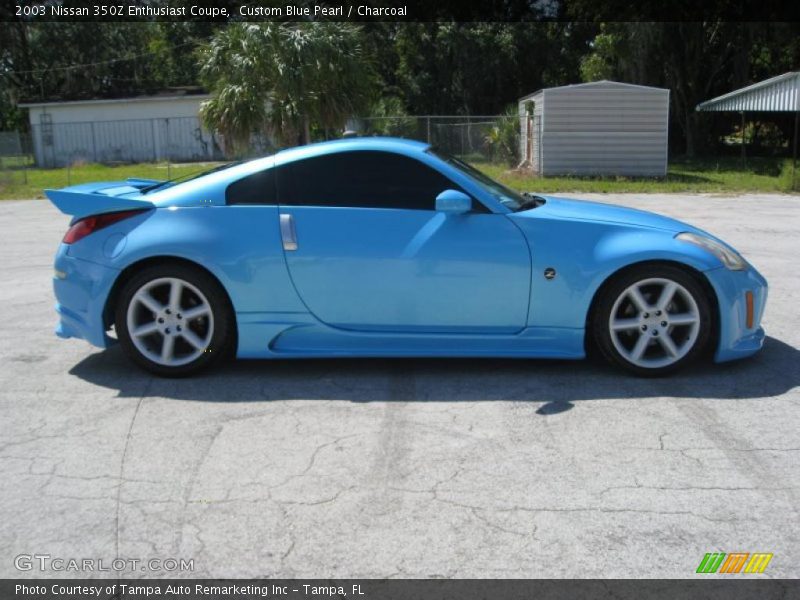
point(690, 143)
point(690, 149)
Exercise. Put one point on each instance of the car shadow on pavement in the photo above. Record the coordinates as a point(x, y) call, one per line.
point(772, 372)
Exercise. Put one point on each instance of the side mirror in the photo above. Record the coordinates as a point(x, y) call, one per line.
point(453, 201)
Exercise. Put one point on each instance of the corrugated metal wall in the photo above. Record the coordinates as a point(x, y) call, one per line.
point(130, 141)
point(604, 128)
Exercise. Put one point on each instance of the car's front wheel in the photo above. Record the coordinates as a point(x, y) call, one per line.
point(652, 320)
point(173, 320)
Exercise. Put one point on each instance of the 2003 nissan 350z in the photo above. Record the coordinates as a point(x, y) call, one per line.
point(386, 247)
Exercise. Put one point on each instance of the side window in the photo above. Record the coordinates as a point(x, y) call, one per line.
point(362, 179)
point(258, 188)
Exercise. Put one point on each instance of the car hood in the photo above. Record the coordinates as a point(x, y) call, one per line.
point(583, 210)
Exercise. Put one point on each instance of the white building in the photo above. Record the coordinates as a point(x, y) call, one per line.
point(147, 128)
point(599, 128)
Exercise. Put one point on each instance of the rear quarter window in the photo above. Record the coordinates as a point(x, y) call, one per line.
point(258, 188)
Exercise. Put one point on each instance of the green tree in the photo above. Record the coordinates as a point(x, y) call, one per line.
point(478, 68)
point(696, 61)
point(388, 117)
point(285, 79)
point(502, 138)
point(77, 60)
point(601, 62)
point(172, 46)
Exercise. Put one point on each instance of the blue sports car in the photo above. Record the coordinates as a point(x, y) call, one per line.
point(387, 247)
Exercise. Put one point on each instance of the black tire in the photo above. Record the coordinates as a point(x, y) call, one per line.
point(222, 335)
point(611, 293)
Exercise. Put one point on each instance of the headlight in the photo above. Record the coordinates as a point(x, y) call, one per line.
point(730, 258)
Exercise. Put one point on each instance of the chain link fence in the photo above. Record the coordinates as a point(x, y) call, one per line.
point(53, 154)
point(488, 138)
point(16, 157)
point(181, 139)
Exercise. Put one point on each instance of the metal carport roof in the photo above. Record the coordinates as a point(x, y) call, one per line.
point(778, 94)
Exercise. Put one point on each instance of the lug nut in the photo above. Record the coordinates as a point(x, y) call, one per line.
point(179, 316)
point(644, 327)
point(166, 331)
point(178, 328)
point(663, 323)
point(658, 313)
point(160, 320)
point(645, 315)
point(655, 331)
point(168, 311)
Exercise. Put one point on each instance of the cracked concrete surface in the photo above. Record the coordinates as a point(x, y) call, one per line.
point(401, 468)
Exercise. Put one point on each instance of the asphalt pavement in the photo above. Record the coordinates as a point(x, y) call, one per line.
point(398, 468)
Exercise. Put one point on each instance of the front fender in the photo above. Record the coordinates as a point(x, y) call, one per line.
point(627, 247)
point(584, 255)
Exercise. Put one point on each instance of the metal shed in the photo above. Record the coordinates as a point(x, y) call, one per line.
point(145, 128)
point(598, 128)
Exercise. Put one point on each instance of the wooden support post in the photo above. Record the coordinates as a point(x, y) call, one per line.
point(744, 157)
point(794, 148)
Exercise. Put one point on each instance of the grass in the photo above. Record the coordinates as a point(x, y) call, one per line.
point(723, 175)
point(30, 183)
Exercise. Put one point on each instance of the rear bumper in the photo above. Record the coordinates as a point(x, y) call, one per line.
point(736, 339)
point(81, 288)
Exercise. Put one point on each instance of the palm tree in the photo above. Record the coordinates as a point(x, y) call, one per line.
point(285, 79)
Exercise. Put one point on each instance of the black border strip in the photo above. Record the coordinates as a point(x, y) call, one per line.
point(734, 587)
point(401, 10)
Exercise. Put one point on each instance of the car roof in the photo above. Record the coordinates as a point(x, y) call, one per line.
point(168, 195)
point(388, 144)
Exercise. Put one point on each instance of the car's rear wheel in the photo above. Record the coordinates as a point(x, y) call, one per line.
point(652, 320)
point(174, 320)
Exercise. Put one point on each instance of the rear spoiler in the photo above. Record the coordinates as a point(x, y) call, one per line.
point(79, 204)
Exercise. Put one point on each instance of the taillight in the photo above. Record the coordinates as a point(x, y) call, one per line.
point(83, 227)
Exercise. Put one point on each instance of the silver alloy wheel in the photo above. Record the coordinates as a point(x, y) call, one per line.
point(170, 321)
point(654, 323)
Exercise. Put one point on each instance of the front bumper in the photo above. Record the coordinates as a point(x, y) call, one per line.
point(736, 338)
point(81, 288)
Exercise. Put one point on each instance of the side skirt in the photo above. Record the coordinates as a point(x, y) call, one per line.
point(300, 335)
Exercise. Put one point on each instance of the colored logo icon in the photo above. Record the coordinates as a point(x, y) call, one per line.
point(735, 562)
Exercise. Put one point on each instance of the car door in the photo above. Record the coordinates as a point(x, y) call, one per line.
point(367, 250)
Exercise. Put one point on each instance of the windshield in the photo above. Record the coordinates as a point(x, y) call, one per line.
point(188, 177)
point(515, 201)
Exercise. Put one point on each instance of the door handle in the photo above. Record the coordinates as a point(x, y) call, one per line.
point(288, 235)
